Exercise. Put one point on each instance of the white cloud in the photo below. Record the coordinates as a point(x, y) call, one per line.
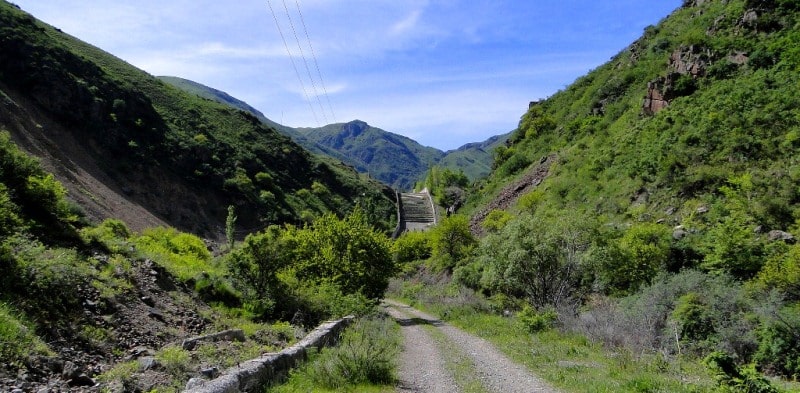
point(406, 24)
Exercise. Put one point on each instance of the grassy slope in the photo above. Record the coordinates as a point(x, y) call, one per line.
point(137, 123)
point(739, 119)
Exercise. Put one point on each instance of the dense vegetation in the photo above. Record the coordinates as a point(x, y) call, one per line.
point(53, 265)
point(662, 230)
point(142, 129)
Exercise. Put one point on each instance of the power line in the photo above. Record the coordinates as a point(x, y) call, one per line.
point(291, 58)
point(305, 62)
point(316, 64)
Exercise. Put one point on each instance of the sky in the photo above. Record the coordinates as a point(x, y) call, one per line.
point(442, 72)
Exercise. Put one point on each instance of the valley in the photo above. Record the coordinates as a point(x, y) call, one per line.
point(636, 232)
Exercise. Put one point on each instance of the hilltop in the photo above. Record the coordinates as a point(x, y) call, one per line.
point(393, 159)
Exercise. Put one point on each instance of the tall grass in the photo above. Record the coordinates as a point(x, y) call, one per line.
point(17, 338)
point(364, 360)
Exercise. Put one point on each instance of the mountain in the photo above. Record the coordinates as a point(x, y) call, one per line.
point(128, 145)
point(393, 159)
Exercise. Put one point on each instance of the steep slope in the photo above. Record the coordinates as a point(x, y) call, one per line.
point(654, 202)
point(127, 144)
point(703, 98)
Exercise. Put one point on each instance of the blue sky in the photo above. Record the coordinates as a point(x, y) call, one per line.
point(444, 72)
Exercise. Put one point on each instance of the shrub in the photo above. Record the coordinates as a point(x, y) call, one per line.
point(174, 359)
point(451, 241)
point(536, 321)
point(111, 234)
point(184, 255)
point(732, 378)
point(779, 344)
point(411, 246)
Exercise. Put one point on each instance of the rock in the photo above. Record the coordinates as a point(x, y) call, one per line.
point(17, 390)
point(670, 210)
point(140, 351)
point(81, 380)
point(776, 235)
point(148, 363)
point(148, 301)
point(679, 234)
point(43, 390)
point(210, 373)
point(70, 371)
point(702, 210)
point(155, 314)
point(194, 383)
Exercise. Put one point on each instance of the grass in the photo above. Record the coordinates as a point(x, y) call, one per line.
point(568, 361)
point(364, 361)
point(17, 338)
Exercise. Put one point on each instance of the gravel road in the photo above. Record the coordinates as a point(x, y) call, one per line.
point(422, 366)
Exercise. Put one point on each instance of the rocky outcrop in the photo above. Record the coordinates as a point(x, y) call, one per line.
point(692, 61)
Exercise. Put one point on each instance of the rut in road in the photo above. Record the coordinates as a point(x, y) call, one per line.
point(423, 366)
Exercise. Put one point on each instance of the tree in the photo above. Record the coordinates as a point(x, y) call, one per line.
point(230, 227)
point(536, 260)
point(451, 241)
point(346, 252)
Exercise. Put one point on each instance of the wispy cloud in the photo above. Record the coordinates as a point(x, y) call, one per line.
point(446, 72)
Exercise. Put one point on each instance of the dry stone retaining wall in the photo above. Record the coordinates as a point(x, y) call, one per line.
point(253, 375)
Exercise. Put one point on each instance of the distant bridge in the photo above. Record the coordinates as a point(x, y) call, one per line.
point(416, 212)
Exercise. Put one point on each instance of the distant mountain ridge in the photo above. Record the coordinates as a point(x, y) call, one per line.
point(394, 159)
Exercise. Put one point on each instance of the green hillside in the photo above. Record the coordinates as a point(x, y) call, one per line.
point(653, 204)
point(180, 156)
point(360, 150)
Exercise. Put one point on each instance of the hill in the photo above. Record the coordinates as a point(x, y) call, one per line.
point(393, 159)
point(128, 145)
point(653, 203)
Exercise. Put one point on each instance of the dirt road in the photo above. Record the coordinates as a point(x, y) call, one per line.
point(433, 349)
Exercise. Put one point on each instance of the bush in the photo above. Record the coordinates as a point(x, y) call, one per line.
point(536, 321)
point(732, 378)
point(174, 359)
point(779, 344)
point(451, 241)
point(411, 246)
point(184, 255)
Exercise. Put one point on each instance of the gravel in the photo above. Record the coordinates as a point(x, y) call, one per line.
point(422, 366)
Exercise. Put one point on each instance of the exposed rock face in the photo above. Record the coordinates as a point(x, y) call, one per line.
point(692, 60)
point(654, 101)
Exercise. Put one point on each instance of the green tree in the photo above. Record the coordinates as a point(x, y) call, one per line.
point(451, 241)
point(534, 259)
point(626, 264)
point(347, 252)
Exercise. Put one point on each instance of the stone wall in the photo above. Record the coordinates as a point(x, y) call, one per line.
point(253, 375)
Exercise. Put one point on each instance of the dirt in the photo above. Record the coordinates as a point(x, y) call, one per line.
point(422, 362)
point(143, 197)
point(511, 193)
